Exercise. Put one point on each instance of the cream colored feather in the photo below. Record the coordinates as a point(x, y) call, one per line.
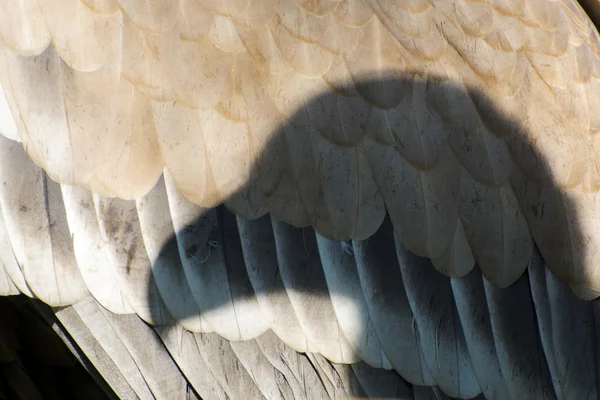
point(207, 89)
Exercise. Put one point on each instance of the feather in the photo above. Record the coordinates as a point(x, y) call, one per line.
point(102, 6)
point(89, 41)
point(545, 154)
point(337, 378)
point(374, 61)
point(471, 304)
point(92, 347)
point(321, 113)
point(224, 35)
point(349, 190)
point(110, 342)
point(423, 205)
point(388, 307)
point(159, 241)
point(156, 16)
point(269, 381)
point(147, 60)
point(591, 93)
point(561, 317)
point(36, 224)
point(214, 267)
point(486, 88)
point(229, 141)
point(246, 13)
point(518, 344)
point(457, 260)
point(321, 28)
point(183, 216)
point(354, 12)
point(8, 127)
point(250, 319)
point(260, 256)
point(412, 127)
point(124, 247)
point(89, 250)
point(195, 20)
point(226, 368)
point(135, 355)
point(179, 131)
point(64, 141)
point(23, 27)
point(488, 64)
point(441, 335)
point(7, 287)
point(304, 281)
point(298, 135)
point(196, 90)
point(379, 383)
point(10, 266)
point(303, 378)
point(484, 156)
point(496, 230)
point(185, 351)
point(274, 175)
point(559, 231)
point(348, 302)
point(425, 42)
point(111, 132)
point(197, 234)
point(37, 123)
point(429, 393)
point(307, 59)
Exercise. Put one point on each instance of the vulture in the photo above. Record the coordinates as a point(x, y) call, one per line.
point(299, 199)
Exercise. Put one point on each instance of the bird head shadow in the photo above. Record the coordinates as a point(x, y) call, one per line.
point(232, 265)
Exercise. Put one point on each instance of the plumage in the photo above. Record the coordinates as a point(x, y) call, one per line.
point(163, 255)
point(261, 259)
point(186, 352)
point(457, 259)
point(521, 355)
point(24, 29)
point(387, 303)
point(89, 41)
point(123, 239)
point(423, 205)
point(304, 281)
point(441, 336)
point(559, 312)
point(9, 263)
point(307, 198)
point(7, 287)
point(90, 252)
point(344, 284)
point(474, 315)
point(136, 354)
point(497, 232)
point(37, 228)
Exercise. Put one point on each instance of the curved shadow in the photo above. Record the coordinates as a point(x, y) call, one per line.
point(212, 242)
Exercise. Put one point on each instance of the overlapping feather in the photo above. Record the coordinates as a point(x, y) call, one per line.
point(207, 89)
point(477, 139)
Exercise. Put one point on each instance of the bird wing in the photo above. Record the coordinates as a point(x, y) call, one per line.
point(456, 133)
point(455, 118)
point(255, 294)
